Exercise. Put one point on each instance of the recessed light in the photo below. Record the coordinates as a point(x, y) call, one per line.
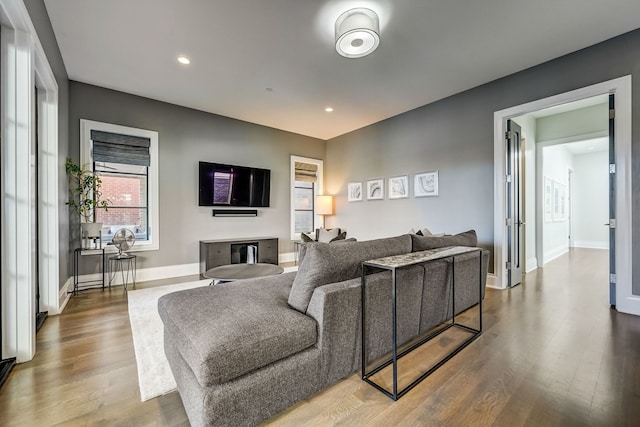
point(184, 60)
point(328, 109)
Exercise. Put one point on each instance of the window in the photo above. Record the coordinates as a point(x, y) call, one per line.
point(304, 206)
point(306, 184)
point(127, 161)
point(125, 187)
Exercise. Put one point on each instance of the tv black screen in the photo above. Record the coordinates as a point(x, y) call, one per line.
point(229, 185)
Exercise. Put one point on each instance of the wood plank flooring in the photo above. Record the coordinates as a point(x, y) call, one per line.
point(552, 354)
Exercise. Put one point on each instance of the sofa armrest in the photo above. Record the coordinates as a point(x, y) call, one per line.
point(336, 309)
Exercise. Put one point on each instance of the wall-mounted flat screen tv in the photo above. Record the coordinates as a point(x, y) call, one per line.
point(229, 185)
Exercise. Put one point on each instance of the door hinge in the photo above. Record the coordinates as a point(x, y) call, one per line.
point(507, 265)
point(612, 223)
point(612, 113)
point(508, 222)
point(612, 168)
point(612, 278)
point(508, 178)
point(509, 134)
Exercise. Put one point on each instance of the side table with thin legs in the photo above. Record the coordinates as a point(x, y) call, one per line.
point(126, 264)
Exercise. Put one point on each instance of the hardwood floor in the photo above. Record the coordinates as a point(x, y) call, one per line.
point(552, 354)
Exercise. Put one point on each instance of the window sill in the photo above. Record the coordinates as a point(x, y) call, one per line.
point(137, 247)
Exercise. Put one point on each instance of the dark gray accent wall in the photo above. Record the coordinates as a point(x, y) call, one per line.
point(455, 136)
point(187, 136)
point(40, 18)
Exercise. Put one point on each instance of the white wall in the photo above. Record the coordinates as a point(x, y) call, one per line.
point(557, 161)
point(591, 200)
point(579, 124)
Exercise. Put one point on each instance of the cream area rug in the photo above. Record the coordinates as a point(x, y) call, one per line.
point(154, 375)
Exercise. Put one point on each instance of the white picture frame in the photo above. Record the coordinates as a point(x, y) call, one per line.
point(559, 202)
point(399, 187)
point(425, 184)
point(548, 200)
point(354, 192)
point(375, 189)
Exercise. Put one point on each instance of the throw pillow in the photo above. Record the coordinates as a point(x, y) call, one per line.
point(423, 243)
point(340, 236)
point(325, 236)
point(305, 238)
point(426, 232)
point(325, 263)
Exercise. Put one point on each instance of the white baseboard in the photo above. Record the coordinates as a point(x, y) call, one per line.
point(147, 274)
point(532, 264)
point(63, 296)
point(555, 253)
point(591, 244)
point(287, 257)
point(491, 281)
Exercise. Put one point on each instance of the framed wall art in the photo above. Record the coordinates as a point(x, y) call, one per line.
point(425, 184)
point(548, 200)
point(399, 187)
point(354, 192)
point(375, 189)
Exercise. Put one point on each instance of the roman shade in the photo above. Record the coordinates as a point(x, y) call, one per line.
point(117, 148)
point(306, 172)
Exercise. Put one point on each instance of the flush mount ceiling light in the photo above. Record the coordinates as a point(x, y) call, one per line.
point(184, 60)
point(357, 33)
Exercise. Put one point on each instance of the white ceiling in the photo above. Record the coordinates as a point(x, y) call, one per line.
point(430, 49)
point(588, 146)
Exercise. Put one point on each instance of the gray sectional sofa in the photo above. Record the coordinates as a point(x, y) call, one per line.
point(244, 351)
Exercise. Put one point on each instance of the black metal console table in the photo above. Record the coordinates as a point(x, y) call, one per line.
point(393, 263)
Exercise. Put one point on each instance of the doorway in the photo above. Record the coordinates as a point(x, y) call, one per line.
point(625, 300)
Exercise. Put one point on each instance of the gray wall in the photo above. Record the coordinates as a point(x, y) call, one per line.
point(40, 19)
point(187, 136)
point(455, 136)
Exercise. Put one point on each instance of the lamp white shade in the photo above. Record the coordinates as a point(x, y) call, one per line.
point(357, 33)
point(324, 205)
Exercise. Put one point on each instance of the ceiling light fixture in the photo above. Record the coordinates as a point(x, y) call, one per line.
point(184, 60)
point(328, 109)
point(357, 33)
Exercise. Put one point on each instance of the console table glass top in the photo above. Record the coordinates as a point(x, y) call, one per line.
point(405, 260)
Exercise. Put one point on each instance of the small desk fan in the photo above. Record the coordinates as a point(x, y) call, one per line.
point(123, 240)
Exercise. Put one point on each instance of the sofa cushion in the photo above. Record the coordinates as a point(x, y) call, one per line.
point(325, 263)
point(341, 236)
point(325, 236)
point(306, 238)
point(423, 243)
point(226, 331)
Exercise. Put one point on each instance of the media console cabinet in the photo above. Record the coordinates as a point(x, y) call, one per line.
point(214, 253)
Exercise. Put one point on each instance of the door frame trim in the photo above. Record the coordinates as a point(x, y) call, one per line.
point(26, 66)
point(622, 88)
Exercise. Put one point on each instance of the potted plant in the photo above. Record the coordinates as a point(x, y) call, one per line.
point(85, 188)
